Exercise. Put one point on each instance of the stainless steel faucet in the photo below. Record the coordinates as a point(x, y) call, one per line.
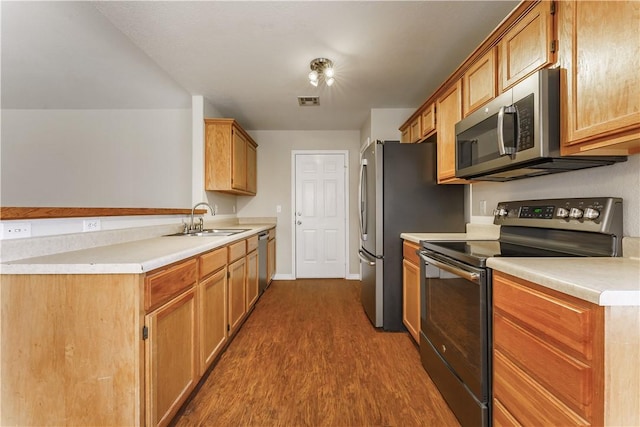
point(193, 227)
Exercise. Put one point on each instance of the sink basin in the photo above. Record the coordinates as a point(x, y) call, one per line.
point(212, 232)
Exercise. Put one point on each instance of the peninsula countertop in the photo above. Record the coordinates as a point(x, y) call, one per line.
point(135, 257)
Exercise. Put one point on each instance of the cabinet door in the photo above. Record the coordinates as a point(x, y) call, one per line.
point(170, 357)
point(213, 317)
point(239, 161)
point(479, 83)
point(600, 57)
point(449, 109)
point(428, 120)
point(411, 289)
point(252, 183)
point(271, 259)
point(237, 294)
point(252, 279)
point(415, 130)
point(527, 47)
point(406, 134)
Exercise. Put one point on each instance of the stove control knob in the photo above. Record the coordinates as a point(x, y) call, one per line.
point(591, 213)
point(575, 213)
point(562, 213)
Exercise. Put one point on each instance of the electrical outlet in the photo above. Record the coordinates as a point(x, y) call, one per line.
point(15, 230)
point(278, 208)
point(483, 207)
point(91, 225)
point(234, 208)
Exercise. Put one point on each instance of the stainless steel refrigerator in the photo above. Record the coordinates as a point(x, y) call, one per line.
point(398, 193)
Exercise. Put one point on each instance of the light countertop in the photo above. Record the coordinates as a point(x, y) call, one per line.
point(135, 257)
point(603, 281)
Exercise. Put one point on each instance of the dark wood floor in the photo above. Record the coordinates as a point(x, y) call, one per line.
point(308, 356)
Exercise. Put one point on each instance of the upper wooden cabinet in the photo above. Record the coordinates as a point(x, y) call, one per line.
point(479, 83)
point(230, 158)
point(599, 53)
point(449, 108)
point(415, 130)
point(528, 46)
point(428, 120)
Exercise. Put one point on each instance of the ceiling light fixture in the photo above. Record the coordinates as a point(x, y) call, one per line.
point(321, 69)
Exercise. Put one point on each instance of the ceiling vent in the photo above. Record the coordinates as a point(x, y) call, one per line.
point(308, 101)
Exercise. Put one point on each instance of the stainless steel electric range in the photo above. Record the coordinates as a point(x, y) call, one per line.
point(456, 330)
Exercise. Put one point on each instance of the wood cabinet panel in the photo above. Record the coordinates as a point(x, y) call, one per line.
point(568, 321)
point(236, 294)
point(405, 134)
point(411, 289)
point(600, 57)
point(230, 158)
point(252, 279)
point(415, 130)
point(252, 243)
point(479, 83)
point(212, 261)
point(449, 109)
point(237, 250)
point(526, 47)
point(171, 358)
point(428, 120)
point(543, 363)
point(271, 259)
point(213, 317)
point(526, 400)
point(160, 287)
point(548, 354)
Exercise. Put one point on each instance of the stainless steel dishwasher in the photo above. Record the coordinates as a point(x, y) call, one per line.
point(263, 239)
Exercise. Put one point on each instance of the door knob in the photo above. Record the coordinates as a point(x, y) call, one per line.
point(299, 222)
point(299, 213)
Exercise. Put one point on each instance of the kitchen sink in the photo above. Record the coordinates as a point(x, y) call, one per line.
point(212, 232)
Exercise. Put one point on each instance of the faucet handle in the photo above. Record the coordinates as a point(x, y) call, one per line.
point(201, 224)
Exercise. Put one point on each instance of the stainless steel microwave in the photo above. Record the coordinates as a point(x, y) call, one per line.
point(517, 135)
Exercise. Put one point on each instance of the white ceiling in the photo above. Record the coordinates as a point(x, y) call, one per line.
point(249, 59)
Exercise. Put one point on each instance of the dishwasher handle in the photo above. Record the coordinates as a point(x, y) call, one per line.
point(263, 236)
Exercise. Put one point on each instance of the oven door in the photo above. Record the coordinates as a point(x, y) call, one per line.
point(455, 310)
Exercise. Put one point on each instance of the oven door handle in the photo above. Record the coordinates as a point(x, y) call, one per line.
point(472, 277)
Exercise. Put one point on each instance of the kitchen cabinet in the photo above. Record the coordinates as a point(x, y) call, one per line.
point(271, 255)
point(548, 356)
point(428, 120)
point(212, 296)
point(528, 46)
point(415, 130)
point(411, 289)
point(599, 55)
point(449, 110)
point(479, 82)
point(405, 135)
point(236, 285)
point(252, 272)
point(230, 158)
point(171, 357)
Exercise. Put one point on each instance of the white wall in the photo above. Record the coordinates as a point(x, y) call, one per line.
point(619, 180)
point(96, 158)
point(274, 185)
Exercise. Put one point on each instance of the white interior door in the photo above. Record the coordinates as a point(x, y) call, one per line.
point(320, 215)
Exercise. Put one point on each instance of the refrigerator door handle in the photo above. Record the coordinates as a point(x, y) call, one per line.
point(363, 200)
point(363, 257)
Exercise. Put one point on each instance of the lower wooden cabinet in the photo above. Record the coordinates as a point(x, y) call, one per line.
point(213, 317)
point(271, 256)
point(548, 356)
point(252, 279)
point(237, 298)
point(171, 370)
point(411, 289)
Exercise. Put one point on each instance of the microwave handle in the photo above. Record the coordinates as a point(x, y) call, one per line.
point(502, 148)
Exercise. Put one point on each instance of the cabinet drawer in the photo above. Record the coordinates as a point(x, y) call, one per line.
point(533, 404)
point(212, 261)
point(237, 250)
point(409, 252)
point(568, 378)
point(161, 286)
point(252, 243)
point(569, 321)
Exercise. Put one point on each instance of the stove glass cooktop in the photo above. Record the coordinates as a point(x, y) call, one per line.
point(476, 252)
